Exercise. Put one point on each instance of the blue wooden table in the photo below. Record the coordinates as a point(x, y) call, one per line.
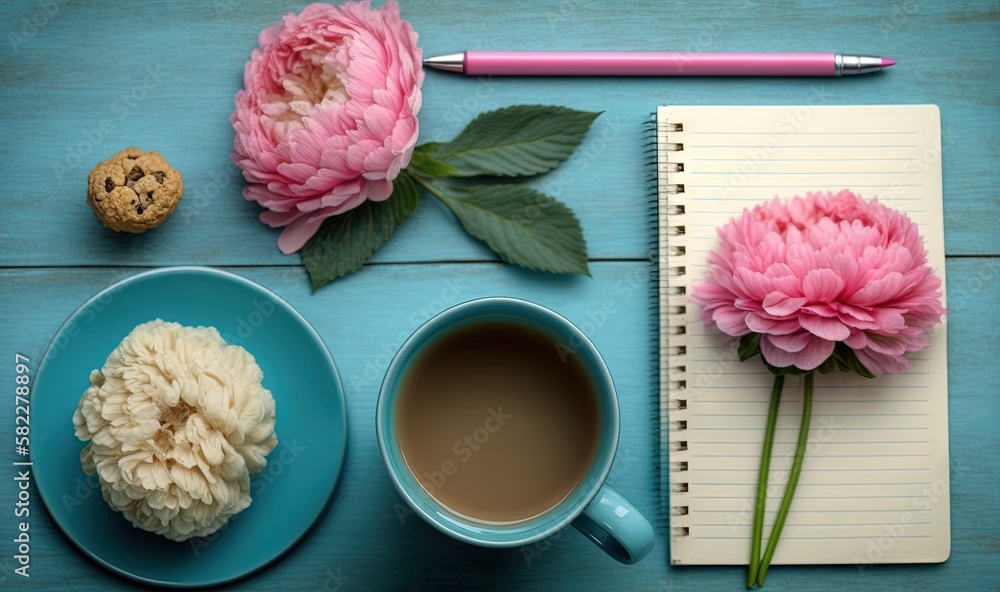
point(82, 80)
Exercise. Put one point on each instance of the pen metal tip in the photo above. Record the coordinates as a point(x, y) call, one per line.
point(452, 63)
point(886, 62)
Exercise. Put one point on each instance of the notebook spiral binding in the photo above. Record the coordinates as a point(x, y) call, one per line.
point(672, 339)
point(661, 518)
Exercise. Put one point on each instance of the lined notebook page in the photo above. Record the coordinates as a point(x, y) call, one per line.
point(874, 485)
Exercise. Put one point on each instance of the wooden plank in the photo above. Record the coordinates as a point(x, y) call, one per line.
point(363, 320)
point(59, 81)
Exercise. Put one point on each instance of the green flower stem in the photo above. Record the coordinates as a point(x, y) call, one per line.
point(765, 466)
point(793, 479)
point(426, 185)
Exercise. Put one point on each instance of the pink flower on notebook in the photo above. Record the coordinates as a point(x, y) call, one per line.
point(821, 283)
point(813, 272)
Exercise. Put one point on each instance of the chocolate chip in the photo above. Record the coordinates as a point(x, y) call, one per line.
point(150, 196)
point(139, 209)
point(109, 185)
point(159, 177)
point(134, 175)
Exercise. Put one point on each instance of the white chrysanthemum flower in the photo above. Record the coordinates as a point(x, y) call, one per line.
point(177, 421)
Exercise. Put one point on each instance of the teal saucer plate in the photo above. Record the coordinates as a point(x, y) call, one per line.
point(289, 494)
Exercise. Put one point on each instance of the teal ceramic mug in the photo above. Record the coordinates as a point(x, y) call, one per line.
point(593, 507)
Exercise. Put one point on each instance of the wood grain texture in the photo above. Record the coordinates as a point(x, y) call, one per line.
point(66, 72)
point(360, 532)
point(59, 85)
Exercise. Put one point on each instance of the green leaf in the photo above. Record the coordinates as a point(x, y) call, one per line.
point(848, 361)
point(783, 371)
point(516, 141)
point(424, 163)
point(749, 346)
point(521, 225)
point(828, 365)
point(404, 189)
point(343, 243)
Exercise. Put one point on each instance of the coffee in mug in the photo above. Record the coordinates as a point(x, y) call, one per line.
point(497, 423)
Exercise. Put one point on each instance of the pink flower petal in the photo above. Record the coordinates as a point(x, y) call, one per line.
point(889, 320)
point(776, 356)
point(879, 364)
point(753, 284)
point(278, 219)
point(781, 305)
point(825, 328)
point(761, 324)
point(821, 309)
point(788, 284)
point(855, 312)
point(822, 285)
point(731, 321)
point(856, 340)
point(879, 291)
point(379, 190)
point(815, 352)
point(296, 234)
point(887, 345)
point(793, 343)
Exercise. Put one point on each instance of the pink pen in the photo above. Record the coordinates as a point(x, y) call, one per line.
point(591, 63)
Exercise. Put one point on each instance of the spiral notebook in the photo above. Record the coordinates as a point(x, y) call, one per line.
point(875, 483)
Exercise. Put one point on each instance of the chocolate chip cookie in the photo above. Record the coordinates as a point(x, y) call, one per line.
point(133, 190)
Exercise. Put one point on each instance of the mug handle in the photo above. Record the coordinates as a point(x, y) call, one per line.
point(614, 525)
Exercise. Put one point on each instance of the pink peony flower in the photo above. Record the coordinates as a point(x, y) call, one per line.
point(328, 114)
point(811, 272)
